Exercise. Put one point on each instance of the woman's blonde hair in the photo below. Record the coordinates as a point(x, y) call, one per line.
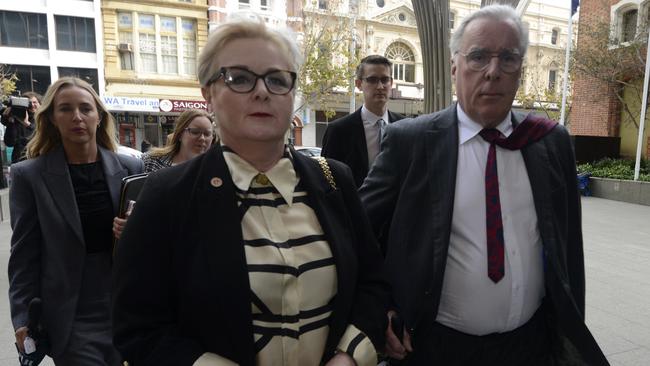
point(243, 27)
point(184, 119)
point(47, 137)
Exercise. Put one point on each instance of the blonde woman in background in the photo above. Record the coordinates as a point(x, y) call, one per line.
point(192, 136)
point(63, 200)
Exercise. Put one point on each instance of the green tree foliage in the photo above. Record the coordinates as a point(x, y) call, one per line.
point(7, 83)
point(329, 65)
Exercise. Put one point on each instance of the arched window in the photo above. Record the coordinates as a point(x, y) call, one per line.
point(554, 35)
point(628, 25)
point(403, 62)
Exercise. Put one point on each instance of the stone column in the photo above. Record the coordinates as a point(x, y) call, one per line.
point(432, 19)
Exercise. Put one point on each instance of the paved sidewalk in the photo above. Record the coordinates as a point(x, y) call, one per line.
point(617, 257)
point(617, 261)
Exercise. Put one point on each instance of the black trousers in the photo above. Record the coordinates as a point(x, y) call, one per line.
point(528, 345)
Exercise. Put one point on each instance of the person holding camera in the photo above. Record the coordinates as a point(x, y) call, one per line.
point(20, 128)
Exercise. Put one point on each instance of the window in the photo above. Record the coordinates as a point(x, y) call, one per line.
point(160, 44)
point(452, 19)
point(88, 75)
point(23, 30)
point(403, 61)
point(125, 38)
point(31, 78)
point(147, 43)
point(552, 80)
point(75, 34)
point(381, 3)
point(168, 45)
point(244, 4)
point(322, 4)
point(265, 5)
point(554, 34)
point(189, 46)
point(628, 25)
point(522, 80)
point(401, 16)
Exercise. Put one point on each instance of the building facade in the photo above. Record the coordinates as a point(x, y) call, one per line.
point(388, 28)
point(42, 40)
point(151, 50)
point(606, 101)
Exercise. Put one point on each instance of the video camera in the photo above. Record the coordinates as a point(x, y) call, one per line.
point(18, 108)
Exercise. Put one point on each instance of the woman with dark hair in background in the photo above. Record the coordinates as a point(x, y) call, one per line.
point(63, 199)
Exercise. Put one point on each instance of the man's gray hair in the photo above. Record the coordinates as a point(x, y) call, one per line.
point(495, 12)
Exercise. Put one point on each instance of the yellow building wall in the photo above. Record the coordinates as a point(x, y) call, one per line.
point(629, 133)
point(129, 83)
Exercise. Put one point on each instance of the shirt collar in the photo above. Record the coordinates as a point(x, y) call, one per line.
point(468, 129)
point(282, 175)
point(370, 118)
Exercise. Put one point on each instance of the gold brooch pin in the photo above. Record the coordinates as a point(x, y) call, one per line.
point(262, 179)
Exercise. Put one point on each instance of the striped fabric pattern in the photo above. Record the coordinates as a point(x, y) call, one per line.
point(290, 264)
point(291, 269)
point(153, 163)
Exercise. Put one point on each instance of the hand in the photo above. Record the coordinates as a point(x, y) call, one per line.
point(20, 334)
point(395, 349)
point(341, 359)
point(25, 122)
point(118, 226)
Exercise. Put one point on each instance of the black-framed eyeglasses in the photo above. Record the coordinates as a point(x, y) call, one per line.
point(240, 80)
point(478, 60)
point(197, 132)
point(374, 80)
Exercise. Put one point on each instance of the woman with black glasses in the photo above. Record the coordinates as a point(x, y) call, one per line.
point(250, 254)
point(192, 136)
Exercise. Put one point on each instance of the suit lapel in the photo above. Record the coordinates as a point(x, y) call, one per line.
point(441, 164)
point(58, 182)
point(217, 223)
point(330, 210)
point(538, 167)
point(113, 172)
point(361, 146)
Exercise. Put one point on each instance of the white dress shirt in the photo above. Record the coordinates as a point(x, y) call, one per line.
point(470, 302)
point(372, 131)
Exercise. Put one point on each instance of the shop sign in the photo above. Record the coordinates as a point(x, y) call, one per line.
point(173, 105)
point(131, 104)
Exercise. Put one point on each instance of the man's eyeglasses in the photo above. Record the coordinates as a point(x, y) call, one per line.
point(197, 132)
point(478, 60)
point(374, 80)
point(240, 80)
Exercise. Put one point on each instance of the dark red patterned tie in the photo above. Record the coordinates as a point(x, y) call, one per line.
point(530, 130)
point(493, 221)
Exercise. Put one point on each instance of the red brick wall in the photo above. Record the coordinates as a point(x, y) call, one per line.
point(595, 110)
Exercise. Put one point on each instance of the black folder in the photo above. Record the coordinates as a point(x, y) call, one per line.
point(131, 187)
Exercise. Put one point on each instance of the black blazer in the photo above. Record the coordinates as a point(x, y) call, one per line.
point(411, 188)
point(181, 282)
point(345, 141)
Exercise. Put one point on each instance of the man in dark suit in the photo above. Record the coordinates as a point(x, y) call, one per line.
point(485, 259)
point(354, 139)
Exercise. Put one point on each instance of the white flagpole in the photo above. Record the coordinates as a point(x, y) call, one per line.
point(644, 102)
point(565, 84)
